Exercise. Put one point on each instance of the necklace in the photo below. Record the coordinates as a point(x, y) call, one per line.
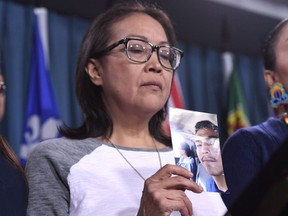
point(141, 176)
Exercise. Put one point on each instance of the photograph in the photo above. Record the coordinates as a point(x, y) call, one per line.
point(196, 147)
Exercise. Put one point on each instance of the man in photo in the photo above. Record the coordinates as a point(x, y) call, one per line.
point(209, 153)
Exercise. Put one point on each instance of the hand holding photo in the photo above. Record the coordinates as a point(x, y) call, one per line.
point(196, 147)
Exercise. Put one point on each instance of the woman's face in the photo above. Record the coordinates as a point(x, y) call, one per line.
point(2, 99)
point(281, 53)
point(129, 87)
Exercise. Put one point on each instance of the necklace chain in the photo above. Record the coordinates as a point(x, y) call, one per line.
point(141, 176)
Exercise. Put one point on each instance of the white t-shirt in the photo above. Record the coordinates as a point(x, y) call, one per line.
point(89, 177)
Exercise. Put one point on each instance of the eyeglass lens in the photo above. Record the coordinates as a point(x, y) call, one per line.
point(140, 51)
point(206, 140)
point(2, 88)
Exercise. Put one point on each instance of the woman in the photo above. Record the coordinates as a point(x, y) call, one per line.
point(124, 75)
point(187, 158)
point(13, 185)
point(247, 151)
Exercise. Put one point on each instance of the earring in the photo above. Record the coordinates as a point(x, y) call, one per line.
point(278, 95)
point(285, 119)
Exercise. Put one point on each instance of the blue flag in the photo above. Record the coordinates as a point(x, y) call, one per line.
point(42, 116)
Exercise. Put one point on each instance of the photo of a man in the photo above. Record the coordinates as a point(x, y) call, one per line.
point(209, 153)
point(196, 145)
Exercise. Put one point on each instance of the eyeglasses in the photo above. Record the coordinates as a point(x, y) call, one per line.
point(140, 51)
point(209, 141)
point(2, 88)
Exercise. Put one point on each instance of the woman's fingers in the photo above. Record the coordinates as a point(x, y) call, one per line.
point(171, 177)
point(164, 192)
point(164, 202)
point(168, 170)
point(179, 202)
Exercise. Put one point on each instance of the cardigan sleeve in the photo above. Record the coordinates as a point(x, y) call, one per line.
point(241, 157)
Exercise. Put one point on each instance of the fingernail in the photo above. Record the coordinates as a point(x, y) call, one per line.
point(200, 187)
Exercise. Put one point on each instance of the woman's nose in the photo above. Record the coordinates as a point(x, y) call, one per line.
point(153, 64)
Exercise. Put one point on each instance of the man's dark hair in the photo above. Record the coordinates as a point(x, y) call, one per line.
point(205, 124)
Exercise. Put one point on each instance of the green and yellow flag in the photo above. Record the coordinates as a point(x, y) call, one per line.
point(237, 111)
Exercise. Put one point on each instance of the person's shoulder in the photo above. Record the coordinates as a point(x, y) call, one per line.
point(252, 131)
point(275, 124)
point(258, 136)
point(241, 138)
point(64, 146)
point(272, 129)
point(52, 144)
point(269, 124)
point(60, 152)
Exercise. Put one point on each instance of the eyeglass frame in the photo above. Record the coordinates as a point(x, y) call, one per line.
point(2, 88)
point(154, 47)
point(207, 140)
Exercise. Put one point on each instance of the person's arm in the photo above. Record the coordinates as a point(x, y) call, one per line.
point(13, 189)
point(241, 157)
point(46, 175)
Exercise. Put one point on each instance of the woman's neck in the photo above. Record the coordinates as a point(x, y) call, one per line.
point(221, 182)
point(134, 138)
point(281, 111)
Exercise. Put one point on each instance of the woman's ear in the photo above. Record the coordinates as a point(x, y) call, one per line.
point(270, 78)
point(94, 71)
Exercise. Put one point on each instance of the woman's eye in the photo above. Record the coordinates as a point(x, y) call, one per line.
point(136, 49)
point(165, 54)
point(198, 144)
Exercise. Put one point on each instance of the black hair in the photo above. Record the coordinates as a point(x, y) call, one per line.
point(269, 56)
point(205, 124)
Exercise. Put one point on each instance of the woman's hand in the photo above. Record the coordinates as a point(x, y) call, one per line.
point(164, 192)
